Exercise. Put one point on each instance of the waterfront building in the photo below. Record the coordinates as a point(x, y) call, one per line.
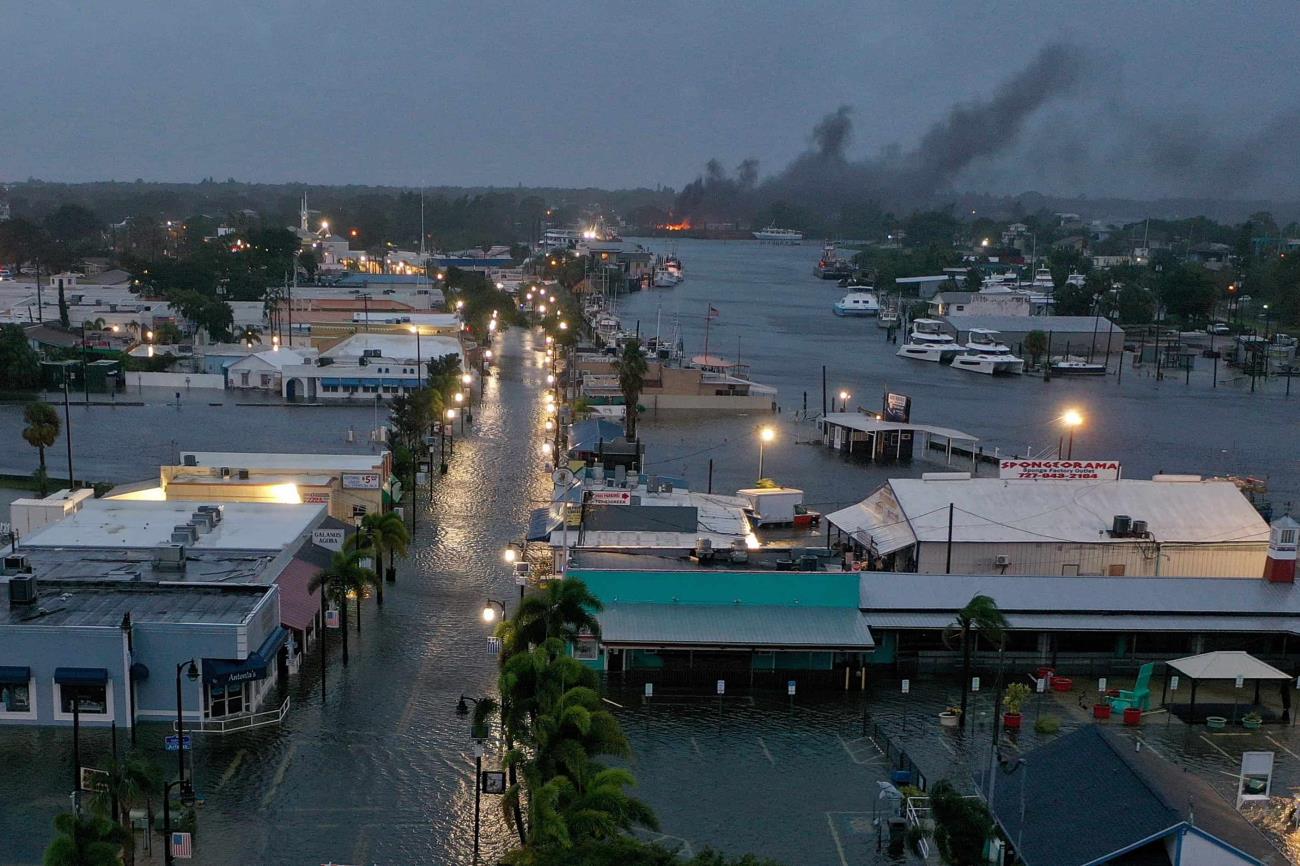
point(264, 371)
point(350, 486)
point(710, 384)
point(118, 588)
point(1169, 526)
point(367, 367)
point(1072, 335)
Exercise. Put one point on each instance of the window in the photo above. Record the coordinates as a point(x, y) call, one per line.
point(586, 649)
point(15, 698)
point(93, 699)
point(358, 511)
point(226, 699)
point(243, 378)
point(1286, 536)
point(1115, 570)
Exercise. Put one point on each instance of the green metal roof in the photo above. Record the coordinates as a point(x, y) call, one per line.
point(735, 626)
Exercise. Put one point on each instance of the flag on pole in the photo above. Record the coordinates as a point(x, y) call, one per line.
point(713, 312)
point(182, 846)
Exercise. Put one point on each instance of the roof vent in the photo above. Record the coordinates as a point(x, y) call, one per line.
point(190, 460)
point(22, 590)
point(169, 557)
point(243, 474)
point(1121, 526)
point(1140, 529)
point(17, 563)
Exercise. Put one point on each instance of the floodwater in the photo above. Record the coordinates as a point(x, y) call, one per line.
point(774, 315)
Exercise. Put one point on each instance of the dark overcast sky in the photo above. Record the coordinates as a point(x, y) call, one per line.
point(604, 94)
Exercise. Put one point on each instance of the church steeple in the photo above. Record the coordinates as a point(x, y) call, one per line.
point(302, 213)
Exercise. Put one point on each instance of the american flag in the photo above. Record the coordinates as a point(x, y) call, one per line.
point(714, 312)
point(182, 846)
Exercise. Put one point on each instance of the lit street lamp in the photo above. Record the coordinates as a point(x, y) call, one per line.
point(490, 612)
point(1071, 419)
point(450, 416)
point(844, 401)
point(479, 736)
point(765, 435)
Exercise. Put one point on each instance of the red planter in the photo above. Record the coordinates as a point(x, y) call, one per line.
point(1044, 673)
point(1062, 684)
point(1101, 711)
point(1132, 717)
point(1011, 721)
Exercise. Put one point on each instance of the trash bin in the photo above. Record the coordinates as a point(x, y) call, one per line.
point(901, 777)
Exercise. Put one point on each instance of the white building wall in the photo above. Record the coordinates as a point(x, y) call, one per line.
point(1196, 850)
point(1137, 559)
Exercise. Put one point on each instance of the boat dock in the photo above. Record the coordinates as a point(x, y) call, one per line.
point(880, 441)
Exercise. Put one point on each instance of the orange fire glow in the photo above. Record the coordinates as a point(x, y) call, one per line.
point(684, 225)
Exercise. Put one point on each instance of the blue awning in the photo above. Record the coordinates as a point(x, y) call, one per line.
point(541, 523)
point(80, 676)
point(15, 676)
point(218, 671)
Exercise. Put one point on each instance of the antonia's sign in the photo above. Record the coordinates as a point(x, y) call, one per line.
point(1059, 470)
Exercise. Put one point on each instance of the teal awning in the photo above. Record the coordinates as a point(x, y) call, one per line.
point(15, 676)
point(80, 676)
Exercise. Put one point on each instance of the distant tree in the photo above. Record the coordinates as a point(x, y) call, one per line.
point(1134, 305)
point(21, 242)
point(309, 263)
point(962, 825)
point(631, 368)
point(1187, 291)
point(979, 618)
point(925, 228)
point(1063, 261)
point(20, 366)
point(73, 225)
point(1072, 300)
point(974, 280)
point(1035, 345)
point(41, 432)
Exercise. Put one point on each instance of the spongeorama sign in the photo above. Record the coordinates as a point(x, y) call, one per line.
point(1059, 470)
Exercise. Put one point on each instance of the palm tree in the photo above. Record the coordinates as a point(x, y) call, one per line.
point(128, 782)
point(387, 533)
point(631, 368)
point(563, 611)
point(979, 617)
point(41, 432)
point(88, 840)
point(344, 575)
point(249, 334)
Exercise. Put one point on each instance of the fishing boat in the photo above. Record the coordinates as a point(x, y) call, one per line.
point(673, 265)
point(939, 353)
point(1072, 366)
point(930, 331)
point(664, 280)
point(774, 235)
point(831, 266)
point(864, 303)
point(888, 318)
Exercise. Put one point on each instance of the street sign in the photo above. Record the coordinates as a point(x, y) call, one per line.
point(1101, 685)
point(182, 846)
point(492, 782)
point(722, 687)
point(173, 743)
point(1173, 683)
point(94, 780)
point(494, 646)
point(1241, 681)
point(521, 580)
point(1040, 685)
point(330, 539)
point(332, 617)
point(974, 684)
point(649, 690)
point(907, 686)
point(789, 688)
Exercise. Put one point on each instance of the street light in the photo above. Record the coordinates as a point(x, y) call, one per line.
point(187, 799)
point(844, 401)
point(765, 435)
point(448, 417)
point(191, 674)
point(1071, 419)
point(490, 612)
point(478, 736)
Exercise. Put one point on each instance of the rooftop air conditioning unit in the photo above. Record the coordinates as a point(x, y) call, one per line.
point(17, 564)
point(1002, 560)
point(1121, 526)
point(22, 590)
point(225, 471)
point(243, 475)
point(214, 510)
point(190, 460)
point(170, 557)
point(1139, 529)
point(202, 521)
point(739, 551)
point(703, 549)
point(185, 533)
point(372, 353)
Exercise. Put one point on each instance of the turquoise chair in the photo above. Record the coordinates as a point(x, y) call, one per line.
point(1139, 696)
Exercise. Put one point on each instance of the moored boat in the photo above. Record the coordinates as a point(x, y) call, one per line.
point(774, 235)
point(863, 303)
point(1077, 367)
point(939, 353)
point(930, 331)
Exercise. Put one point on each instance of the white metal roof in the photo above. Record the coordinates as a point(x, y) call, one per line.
point(877, 518)
point(997, 510)
point(868, 424)
point(395, 346)
point(146, 524)
point(1227, 665)
point(295, 462)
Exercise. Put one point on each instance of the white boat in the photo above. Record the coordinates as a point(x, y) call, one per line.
point(985, 341)
point(857, 304)
point(1042, 280)
point(930, 331)
point(1077, 367)
point(665, 280)
point(774, 235)
point(997, 364)
point(936, 352)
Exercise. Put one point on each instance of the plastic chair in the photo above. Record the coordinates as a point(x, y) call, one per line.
point(1139, 696)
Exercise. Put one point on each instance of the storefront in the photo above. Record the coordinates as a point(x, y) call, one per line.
point(231, 688)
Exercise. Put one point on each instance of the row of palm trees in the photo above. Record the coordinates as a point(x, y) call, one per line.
point(102, 835)
point(355, 569)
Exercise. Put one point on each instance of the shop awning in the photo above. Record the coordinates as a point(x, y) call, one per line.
point(15, 676)
point(218, 671)
point(541, 523)
point(80, 676)
point(298, 604)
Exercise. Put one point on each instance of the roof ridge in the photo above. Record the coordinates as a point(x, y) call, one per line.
point(1112, 741)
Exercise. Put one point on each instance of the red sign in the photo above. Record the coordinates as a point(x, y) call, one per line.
point(1059, 470)
point(611, 497)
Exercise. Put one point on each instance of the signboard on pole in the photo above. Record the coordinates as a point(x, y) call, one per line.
point(173, 743)
point(789, 687)
point(361, 481)
point(1241, 681)
point(93, 779)
point(330, 539)
point(974, 684)
point(1059, 470)
point(722, 687)
point(611, 497)
point(1255, 781)
point(1040, 685)
point(649, 690)
point(1101, 685)
point(898, 408)
point(332, 618)
point(492, 782)
point(907, 686)
point(1173, 683)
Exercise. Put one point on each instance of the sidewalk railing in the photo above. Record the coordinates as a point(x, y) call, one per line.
point(238, 723)
point(917, 812)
